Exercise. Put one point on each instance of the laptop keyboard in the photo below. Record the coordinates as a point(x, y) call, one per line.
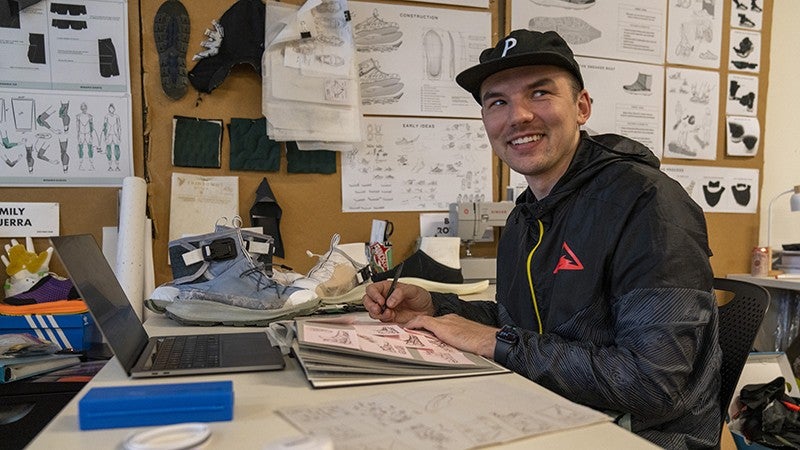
point(187, 352)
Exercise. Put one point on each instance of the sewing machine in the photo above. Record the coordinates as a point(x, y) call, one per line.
point(475, 222)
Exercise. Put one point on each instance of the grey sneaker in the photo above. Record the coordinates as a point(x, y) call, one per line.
point(218, 282)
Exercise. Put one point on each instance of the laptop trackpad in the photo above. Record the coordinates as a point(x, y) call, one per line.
point(249, 349)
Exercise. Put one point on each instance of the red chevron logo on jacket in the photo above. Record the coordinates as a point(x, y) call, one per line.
point(568, 260)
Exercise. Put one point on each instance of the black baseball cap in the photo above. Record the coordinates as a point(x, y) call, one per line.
point(520, 48)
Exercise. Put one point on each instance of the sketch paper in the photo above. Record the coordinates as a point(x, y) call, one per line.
point(417, 164)
point(743, 135)
point(745, 51)
point(742, 95)
point(627, 99)
point(473, 3)
point(691, 114)
point(408, 58)
point(60, 46)
point(469, 414)
point(64, 138)
point(718, 189)
point(694, 36)
point(618, 29)
point(747, 14)
point(197, 203)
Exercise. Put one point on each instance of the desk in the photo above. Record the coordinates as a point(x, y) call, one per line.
point(259, 394)
point(784, 306)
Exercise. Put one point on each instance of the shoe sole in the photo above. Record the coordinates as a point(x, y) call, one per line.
point(353, 296)
point(203, 313)
point(171, 29)
point(447, 288)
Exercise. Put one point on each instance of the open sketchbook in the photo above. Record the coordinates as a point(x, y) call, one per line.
point(354, 349)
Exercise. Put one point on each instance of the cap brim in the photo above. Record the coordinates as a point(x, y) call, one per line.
point(471, 79)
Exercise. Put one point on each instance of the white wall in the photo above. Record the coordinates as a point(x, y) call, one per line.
point(782, 134)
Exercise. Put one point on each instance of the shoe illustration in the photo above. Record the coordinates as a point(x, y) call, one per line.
point(744, 65)
point(732, 89)
point(63, 113)
point(736, 130)
point(643, 84)
point(744, 21)
point(754, 6)
point(340, 275)
point(708, 54)
point(739, 5)
point(745, 48)
point(378, 86)
point(377, 35)
point(713, 192)
point(749, 141)
point(171, 29)
point(218, 281)
point(574, 30)
point(680, 149)
point(747, 101)
point(741, 193)
point(568, 4)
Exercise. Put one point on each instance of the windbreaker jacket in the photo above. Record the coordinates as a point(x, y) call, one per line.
point(607, 282)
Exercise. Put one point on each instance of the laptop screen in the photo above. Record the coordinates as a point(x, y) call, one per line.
point(95, 281)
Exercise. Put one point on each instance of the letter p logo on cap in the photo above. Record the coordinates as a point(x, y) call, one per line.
point(510, 43)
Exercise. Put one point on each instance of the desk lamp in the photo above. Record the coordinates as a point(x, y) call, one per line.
point(794, 205)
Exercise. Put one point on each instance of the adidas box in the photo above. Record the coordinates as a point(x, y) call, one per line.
point(68, 331)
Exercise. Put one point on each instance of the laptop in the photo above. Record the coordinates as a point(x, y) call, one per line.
point(143, 356)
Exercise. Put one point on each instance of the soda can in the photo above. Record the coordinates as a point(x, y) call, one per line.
point(760, 263)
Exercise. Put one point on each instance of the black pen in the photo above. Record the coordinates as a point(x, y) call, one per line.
point(397, 273)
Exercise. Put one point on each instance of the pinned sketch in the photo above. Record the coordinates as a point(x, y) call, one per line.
point(742, 135)
point(745, 53)
point(74, 139)
point(742, 95)
point(60, 46)
point(747, 14)
point(416, 164)
point(459, 415)
point(691, 114)
point(718, 189)
point(408, 58)
point(627, 99)
point(695, 32)
point(604, 29)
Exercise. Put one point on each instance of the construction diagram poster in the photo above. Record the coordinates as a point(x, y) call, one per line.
point(408, 58)
point(633, 31)
point(627, 99)
point(718, 189)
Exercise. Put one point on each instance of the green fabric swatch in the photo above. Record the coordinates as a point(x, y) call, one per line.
point(309, 161)
point(196, 142)
point(251, 148)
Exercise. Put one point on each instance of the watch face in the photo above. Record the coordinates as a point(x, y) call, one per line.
point(507, 334)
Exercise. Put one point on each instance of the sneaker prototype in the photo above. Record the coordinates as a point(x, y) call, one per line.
point(340, 275)
point(436, 266)
point(171, 29)
point(218, 281)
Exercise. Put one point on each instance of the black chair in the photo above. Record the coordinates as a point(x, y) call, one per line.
point(739, 321)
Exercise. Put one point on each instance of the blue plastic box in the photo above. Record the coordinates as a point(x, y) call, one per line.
point(68, 331)
point(156, 404)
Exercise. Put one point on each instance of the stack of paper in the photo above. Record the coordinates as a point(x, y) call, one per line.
point(310, 91)
point(354, 349)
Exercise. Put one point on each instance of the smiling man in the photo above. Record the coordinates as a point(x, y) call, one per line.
point(604, 287)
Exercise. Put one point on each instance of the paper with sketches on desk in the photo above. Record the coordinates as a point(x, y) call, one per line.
point(197, 203)
point(356, 350)
point(456, 416)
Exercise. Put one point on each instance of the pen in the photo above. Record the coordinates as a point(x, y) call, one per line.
point(394, 284)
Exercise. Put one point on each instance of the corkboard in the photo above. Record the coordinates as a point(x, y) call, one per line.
point(311, 203)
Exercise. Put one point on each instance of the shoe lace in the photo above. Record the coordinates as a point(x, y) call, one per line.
point(323, 269)
point(257, 271)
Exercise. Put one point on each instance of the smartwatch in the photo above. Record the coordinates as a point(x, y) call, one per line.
point(507, 338)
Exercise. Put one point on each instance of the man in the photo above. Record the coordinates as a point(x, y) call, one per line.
point(604, 288)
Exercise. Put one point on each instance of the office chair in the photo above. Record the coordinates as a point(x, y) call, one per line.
point(739, 322)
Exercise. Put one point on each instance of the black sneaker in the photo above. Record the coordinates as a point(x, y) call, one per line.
point(171, 30)
point(421, 270)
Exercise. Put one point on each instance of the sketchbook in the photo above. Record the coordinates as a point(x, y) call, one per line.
point(354, 350)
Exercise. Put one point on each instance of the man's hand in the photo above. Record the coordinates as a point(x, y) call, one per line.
point(406, 302)
point(459, 332)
